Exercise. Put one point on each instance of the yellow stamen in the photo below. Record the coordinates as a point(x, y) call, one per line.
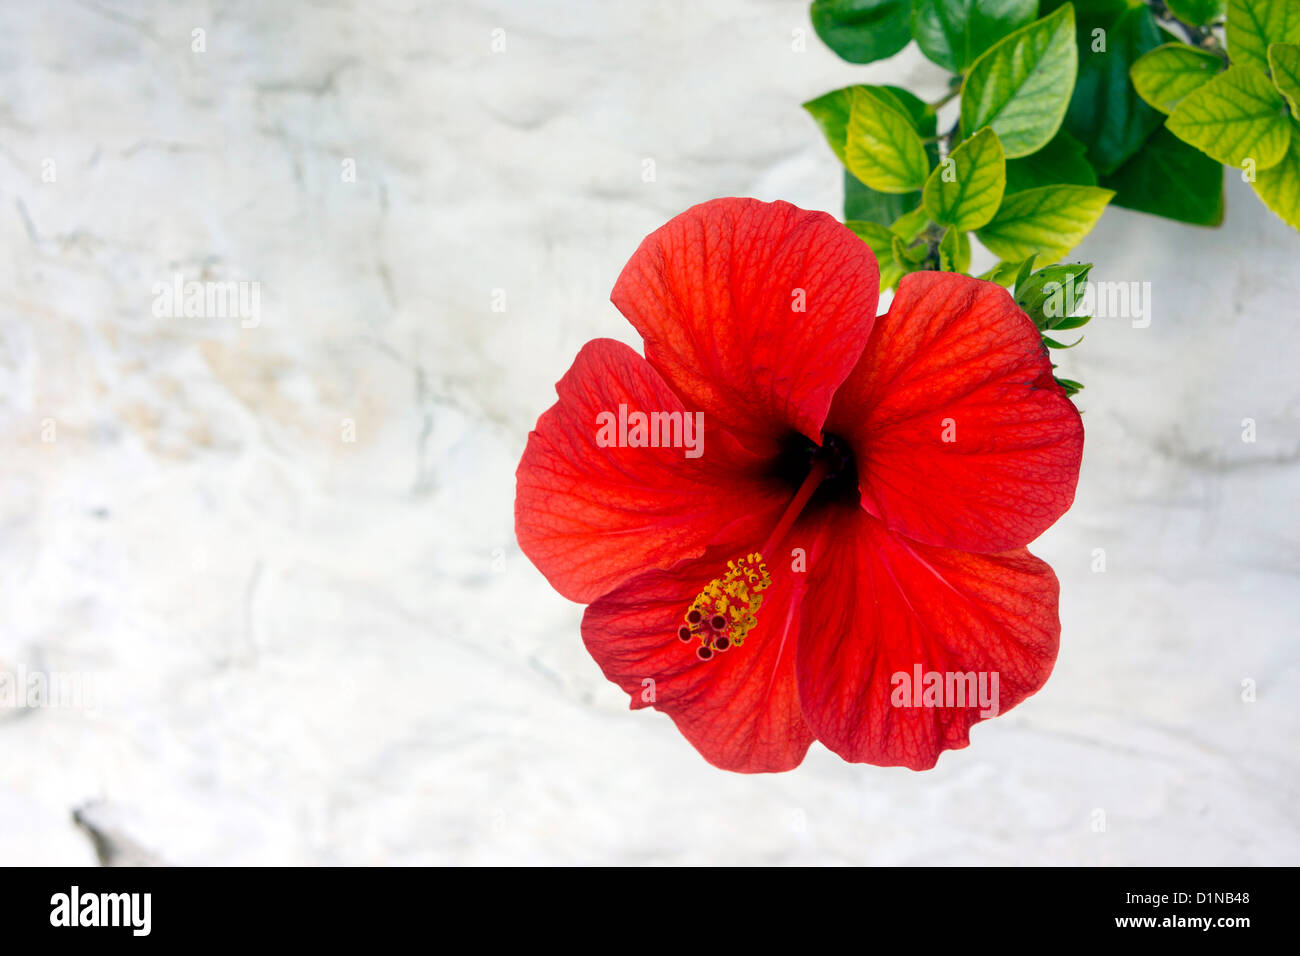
point(727, 609)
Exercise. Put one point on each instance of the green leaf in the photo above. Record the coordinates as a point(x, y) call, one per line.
point(1197, 12)
point(1284, 62)
point(954, 251)
point(1004, 274)
point(1071, 387)
point(910, 257)
point(1059, 162)
point(884, 150)
point(860, 201)
point(953, 33)
point(1279, 187)
point(1105, 113)
point(1025, 270)
point(1254, 24)
point(832, 110)
point(1087, 8)
point(965, 189)
point(1050, 221)
point(862, 31)
point(865, 204)
point(923, 116)
point(1166, 74)
point(1235, 117)
point(1169, 178)
point(1053, 344)
point(881, 241)
point(1051, 296)
point(1021, 86)
point(910, 224)
point(917, 110)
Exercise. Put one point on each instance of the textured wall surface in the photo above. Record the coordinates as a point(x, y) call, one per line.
point(307, 649)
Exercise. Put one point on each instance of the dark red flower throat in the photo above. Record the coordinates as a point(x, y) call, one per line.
point(800, 456)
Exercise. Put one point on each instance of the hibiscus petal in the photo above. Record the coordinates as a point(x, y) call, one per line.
point(754, 312)
point(878, 606)
point(590, 517)
point(740, 709)
point(963, 439)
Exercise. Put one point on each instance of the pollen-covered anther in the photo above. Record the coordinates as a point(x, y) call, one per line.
point(727, 609)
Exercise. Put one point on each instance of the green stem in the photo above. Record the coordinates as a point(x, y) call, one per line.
point(952, 95)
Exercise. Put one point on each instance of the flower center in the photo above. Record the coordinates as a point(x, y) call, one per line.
point(726, 610)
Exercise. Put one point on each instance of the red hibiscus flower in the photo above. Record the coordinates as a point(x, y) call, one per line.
point(796, 520)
